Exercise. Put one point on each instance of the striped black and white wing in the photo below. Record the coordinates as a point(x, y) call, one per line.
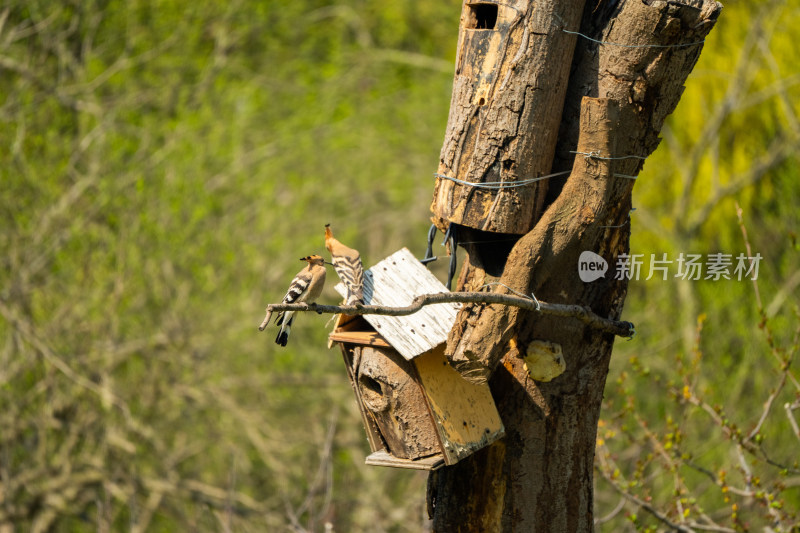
point(298, 288)
point(351, 272)
point(305, 287)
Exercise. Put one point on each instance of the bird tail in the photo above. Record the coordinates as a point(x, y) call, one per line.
point(285, 322)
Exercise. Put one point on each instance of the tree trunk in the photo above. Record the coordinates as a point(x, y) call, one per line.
point(508, 91)
point(539, 478)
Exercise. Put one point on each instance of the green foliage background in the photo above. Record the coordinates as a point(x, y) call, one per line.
point(163, 164)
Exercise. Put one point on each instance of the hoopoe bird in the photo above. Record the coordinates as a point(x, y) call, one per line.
point(305, 287)
point(347, 263)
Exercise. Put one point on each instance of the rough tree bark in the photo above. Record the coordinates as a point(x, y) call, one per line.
point(539, 478)
point(508, 91)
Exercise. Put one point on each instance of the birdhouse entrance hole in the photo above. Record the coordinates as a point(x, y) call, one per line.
point(372, 392)
point(482, 16)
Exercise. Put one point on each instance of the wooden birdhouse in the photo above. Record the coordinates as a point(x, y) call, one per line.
point(418, 411)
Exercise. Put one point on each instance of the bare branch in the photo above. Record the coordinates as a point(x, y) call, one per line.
point(789, 408)
point(643, 504)
point(731, 431)
point(768, 405)
point(610, 516)
point(584, 314)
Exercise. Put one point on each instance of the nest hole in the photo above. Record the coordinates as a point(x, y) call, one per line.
point(372, 393)
point(487, 249)
point(482, 16)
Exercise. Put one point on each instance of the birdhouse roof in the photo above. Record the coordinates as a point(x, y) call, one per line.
point(395, 282)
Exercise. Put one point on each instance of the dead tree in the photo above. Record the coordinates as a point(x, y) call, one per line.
point(542, 88)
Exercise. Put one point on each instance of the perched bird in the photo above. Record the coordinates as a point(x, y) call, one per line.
point(306, 287)
point(347, 263)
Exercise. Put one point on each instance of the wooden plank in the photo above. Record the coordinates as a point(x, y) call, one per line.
point(381, 458)
point(350, 354)
point(465, 414)
point(366, 338)
point(395, 281)
point(347, 323)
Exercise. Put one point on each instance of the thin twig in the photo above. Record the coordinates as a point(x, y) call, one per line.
point(768, 405)
point(614, 512)
point(735, 436)
point(789, 408)
point(739, 217)
point(643, 504)
point(584, 314)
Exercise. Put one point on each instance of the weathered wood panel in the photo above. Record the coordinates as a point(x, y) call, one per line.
point(352, 355)
point(465, 414)
point(396, 403)
point(395, 281)
point(368, 338)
